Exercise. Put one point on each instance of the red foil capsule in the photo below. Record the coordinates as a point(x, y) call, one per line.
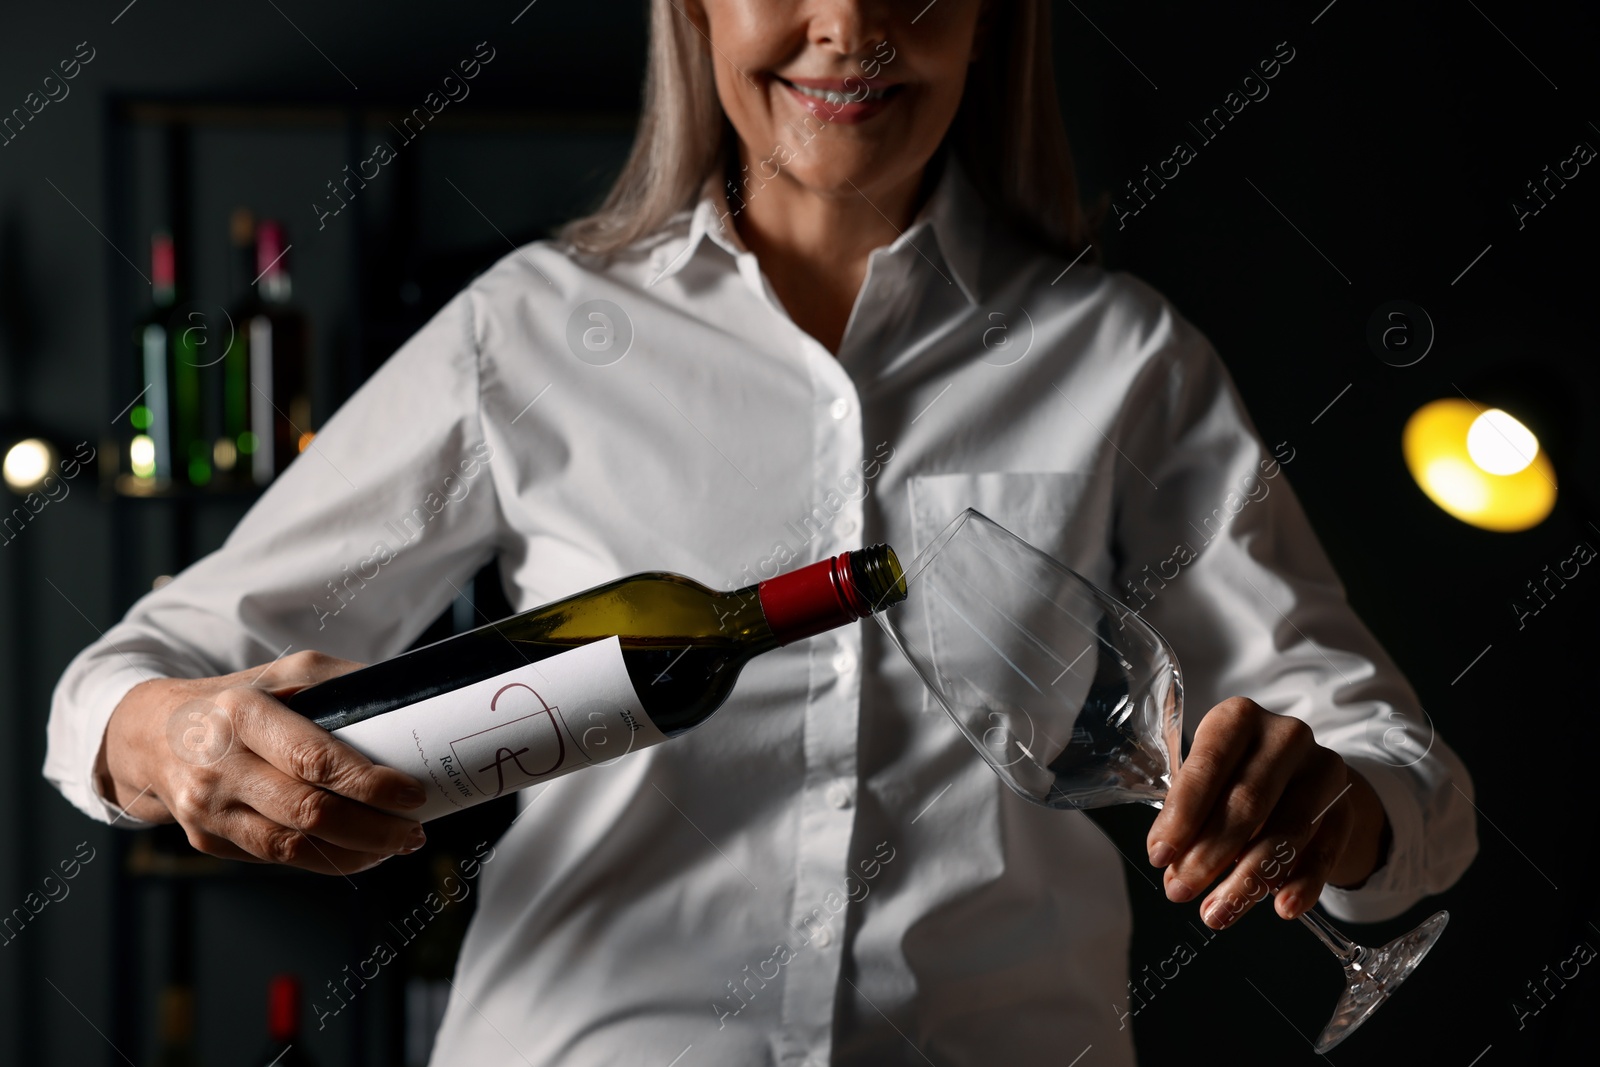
point(813, 599)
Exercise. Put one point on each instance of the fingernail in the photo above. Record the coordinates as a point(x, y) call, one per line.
point(412, 796)
point(1162, 854)
point(1290, 902)
point(1218, 915)
point(1177, 892)
point(414, 840)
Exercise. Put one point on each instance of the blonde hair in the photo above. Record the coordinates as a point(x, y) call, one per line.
point(1007, 133)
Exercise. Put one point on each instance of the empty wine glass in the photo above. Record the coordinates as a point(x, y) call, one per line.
point(1076, 702)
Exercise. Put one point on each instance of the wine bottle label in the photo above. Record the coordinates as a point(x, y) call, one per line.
point(526, 726)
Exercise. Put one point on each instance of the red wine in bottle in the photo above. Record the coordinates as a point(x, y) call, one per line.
point(587, 679)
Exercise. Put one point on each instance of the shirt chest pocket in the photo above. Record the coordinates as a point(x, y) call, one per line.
point(1062, 513)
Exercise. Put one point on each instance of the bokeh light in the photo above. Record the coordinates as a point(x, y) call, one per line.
point(28, 463)
point(1484, 467)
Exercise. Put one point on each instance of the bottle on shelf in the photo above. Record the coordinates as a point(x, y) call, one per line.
point(177, 1027)
point(266, 402)
point(230, 384)
point(284, 1046)
point(242, 245)
point(584, 680)
point(149, 422)
point(163, 423)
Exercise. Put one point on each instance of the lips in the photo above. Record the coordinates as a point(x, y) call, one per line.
point(845, 100)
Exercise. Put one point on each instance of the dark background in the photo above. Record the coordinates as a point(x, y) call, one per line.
point(1395, 141)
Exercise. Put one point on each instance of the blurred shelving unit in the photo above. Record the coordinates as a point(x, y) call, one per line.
point(447, 203)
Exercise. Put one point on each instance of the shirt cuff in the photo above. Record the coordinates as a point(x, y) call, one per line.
point(70, 766)
point(1398, 881)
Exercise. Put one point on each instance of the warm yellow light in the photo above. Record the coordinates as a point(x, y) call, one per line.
point(28, 463)
point(1482, 466)
point(1500, 444)
point(305, 441)
point(142, 456)
point(224, 454)
point(1457, 481)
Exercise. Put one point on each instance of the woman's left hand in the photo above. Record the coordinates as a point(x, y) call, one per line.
point(1258, 798)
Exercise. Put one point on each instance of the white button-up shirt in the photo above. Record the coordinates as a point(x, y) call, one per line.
point(825, 871)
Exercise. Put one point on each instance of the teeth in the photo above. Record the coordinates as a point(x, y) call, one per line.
point(839, 99)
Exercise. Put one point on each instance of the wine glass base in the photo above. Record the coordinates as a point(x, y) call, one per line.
point(1375, 978)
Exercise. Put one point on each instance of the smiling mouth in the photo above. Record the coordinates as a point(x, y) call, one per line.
point(834, 98)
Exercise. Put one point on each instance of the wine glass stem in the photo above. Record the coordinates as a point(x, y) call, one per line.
point(1349, 953)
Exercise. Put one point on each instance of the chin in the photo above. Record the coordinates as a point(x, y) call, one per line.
point(848, 170)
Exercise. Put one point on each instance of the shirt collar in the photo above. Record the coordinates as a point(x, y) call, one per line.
point(953, 213)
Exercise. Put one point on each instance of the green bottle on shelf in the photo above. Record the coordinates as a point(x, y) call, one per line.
point(162, 427)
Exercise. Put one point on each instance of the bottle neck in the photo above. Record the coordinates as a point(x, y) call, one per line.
point(163, 270)
point(276, 287)
point(271, 268)
point(828, 594)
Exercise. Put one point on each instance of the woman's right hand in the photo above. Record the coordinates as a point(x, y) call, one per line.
point(248, 779)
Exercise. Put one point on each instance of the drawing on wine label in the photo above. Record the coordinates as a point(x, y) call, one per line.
point(524, 749)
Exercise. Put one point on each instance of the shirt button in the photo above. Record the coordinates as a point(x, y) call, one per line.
point(824, 937)
point(844, 661)
point(839, 408)
point(839, 794)
point(847, 527)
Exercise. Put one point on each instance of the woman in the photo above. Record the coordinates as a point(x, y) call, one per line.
point(839, 293)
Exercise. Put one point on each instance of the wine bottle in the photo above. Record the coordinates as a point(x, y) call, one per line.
point(186, 338)
point(584, 680)
point(150, 416)
point(232, 385)
point(283, 1025)
point(176, 1007)
point(267, 407)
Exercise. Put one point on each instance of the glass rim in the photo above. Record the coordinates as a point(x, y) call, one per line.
point(1113, 607)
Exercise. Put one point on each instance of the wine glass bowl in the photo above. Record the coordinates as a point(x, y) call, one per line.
point(1077, 702)
point(1074, 701)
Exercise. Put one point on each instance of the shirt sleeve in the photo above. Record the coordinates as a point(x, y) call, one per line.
point(356, 547)
point(1213, 549)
